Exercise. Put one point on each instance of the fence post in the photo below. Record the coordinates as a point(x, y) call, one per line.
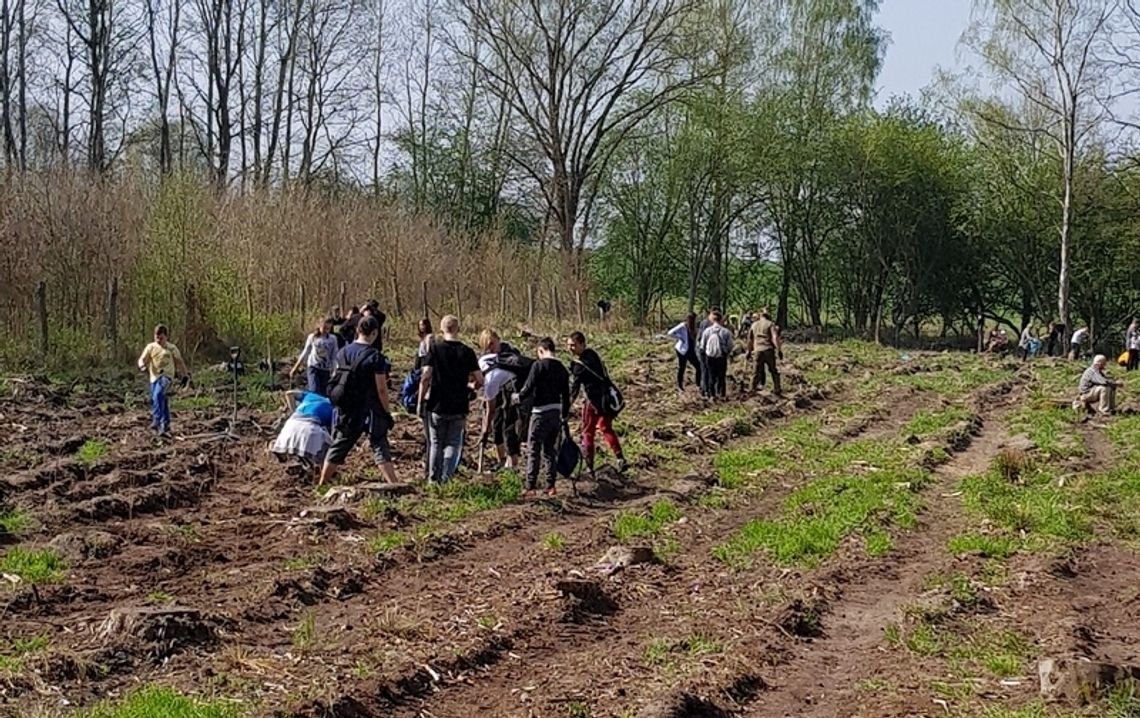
point(578, 304)
point(301, 307)
point(530, 303)
point(458, 301)
point(343, 296)
point(502, 301)
point(113, 315)
point(554, 301)
point(423, 299)
point(41, 309)
point(249, 310)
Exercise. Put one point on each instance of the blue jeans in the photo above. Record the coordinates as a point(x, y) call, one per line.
point(160, 405)
point(446, 440)
point(318, 381)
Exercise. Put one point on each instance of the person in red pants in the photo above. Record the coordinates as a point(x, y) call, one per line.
point(590, 375)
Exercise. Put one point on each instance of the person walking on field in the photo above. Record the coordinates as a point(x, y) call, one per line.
point(451, 372)
point(590, 375)
point(547, 387)
point(163, 362)
point(716, 343)
point(1097, 389)
point(1132, 344)
point(500, 410)
point(319, 356)
point(359, 390)
point(764, 340)
point(685, 335)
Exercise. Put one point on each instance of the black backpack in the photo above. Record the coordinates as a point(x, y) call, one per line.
point(346, 389)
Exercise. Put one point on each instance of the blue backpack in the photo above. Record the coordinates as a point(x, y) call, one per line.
point(410, 390)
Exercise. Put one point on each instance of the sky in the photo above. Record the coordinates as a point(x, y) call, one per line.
point(924, 35)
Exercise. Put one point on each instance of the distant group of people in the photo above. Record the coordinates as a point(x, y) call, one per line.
point(525, 401)
point(1032, 343)
point(709, 345)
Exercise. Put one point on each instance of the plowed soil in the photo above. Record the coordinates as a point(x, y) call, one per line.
point(204, 564)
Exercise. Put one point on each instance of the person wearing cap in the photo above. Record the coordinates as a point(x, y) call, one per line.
point(764, 340)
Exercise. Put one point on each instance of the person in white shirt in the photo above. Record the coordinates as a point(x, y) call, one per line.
point(1076, 341)
point(1132, 344)
point(500, 415)
point(685, 335)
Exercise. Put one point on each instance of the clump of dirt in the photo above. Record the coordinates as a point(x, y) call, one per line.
point(161, 632)
point(802, 617)
point(584, 600)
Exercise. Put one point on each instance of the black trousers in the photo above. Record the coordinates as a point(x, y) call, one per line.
point(684, 360)
point(543, 442)
point(1133, 359)
point(717, 368)
point(766, 359)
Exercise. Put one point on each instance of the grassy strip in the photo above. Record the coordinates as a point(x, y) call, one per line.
point(156, 702)
point(629, 525)
point(34, 567)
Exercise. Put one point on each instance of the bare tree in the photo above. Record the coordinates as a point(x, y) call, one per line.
point(162, 24)
point(579, 75)
point(1047, 51)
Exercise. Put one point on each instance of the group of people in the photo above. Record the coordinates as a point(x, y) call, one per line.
point(1032, 343)
point(709, 345)
point(525, 401)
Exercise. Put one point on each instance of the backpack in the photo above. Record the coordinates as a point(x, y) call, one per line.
point(712, 345)
point(410, 390)
point(346, 387)
point(612, 400)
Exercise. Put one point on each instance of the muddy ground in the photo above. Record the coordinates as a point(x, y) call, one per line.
point(203, 564)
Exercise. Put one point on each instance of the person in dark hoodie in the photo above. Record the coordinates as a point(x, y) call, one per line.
point(590, 374)
point(547, 387)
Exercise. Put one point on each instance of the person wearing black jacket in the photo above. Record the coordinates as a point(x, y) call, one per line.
point(548, 388)
point(590, 374)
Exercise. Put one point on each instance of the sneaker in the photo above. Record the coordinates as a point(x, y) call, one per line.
point(622, 465)
point(529, 494)
point(551, 491)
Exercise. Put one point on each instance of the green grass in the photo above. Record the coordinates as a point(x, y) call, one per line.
point(1038, 508)
point(302, 563)
point(709, 417)
point(34, 567)
point(628, 525)
point(738, 467)
point(456, 500)
point(926, 422)
point(554, 541)
point(13, 653)
point(160, 597)
point(389, 541)
point(988, 546)
point(1050, 428)
point(666, 652)
point(192, 402)
point(305, 633)
point(91, 451)
point(154, 702)
point(14, 521)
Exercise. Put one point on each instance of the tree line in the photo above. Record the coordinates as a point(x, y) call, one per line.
point(720, 152)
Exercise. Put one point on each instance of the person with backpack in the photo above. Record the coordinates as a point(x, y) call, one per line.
point(359, 391)
point(716, 343)
point(598, 412)
point(501, 366)
point(319, 356)
point(451, 372)
point(685, 335)
point(764, 340)
point(547, 388)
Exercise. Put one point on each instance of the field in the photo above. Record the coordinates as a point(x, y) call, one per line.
point(902, 535)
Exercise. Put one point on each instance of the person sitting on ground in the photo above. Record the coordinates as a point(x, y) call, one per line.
point(1096, 388)
point(547, 387)
point(162, 360)
point(366, 407)
point(305, 434)
point(1076, 342)
point(998, 341)
point(319, 356)
point(590, 374)
point(500, 412)
point(451, 372)
point(685, 335)
point(764, 339)
point(716, 344)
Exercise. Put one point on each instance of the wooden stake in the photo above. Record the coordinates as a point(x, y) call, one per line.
point(578, 304)
point(423, 299)
point(343, 296)
point(113, 315)
point(530, 303)
point(554, 301)
point(458, 301)
point(301, 307)
point(503, 301)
